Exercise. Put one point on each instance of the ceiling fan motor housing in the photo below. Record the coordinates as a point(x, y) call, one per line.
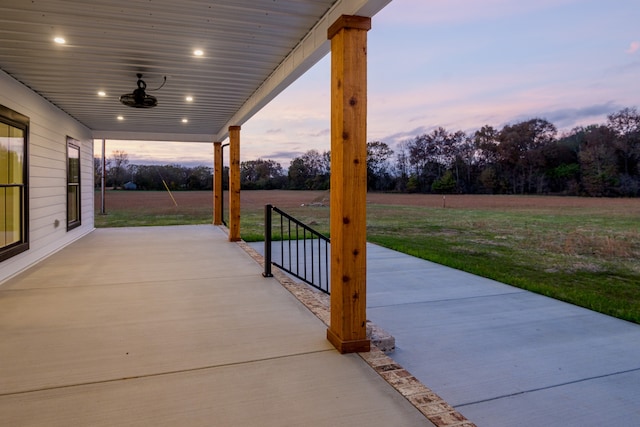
point(139, 98)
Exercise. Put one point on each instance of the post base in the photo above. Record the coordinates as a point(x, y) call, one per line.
point(353, 346)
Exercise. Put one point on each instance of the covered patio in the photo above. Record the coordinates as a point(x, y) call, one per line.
point(175, 326)
point(75, 72)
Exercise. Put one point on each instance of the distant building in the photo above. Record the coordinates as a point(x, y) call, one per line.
point(130, 186)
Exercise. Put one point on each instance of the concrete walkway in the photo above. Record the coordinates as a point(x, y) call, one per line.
point(502, 356)
point(174, 326)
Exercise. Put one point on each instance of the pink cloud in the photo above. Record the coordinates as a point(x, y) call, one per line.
point(633, 47)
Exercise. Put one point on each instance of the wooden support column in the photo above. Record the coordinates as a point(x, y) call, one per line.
point(217, 183)
point(348, 330)
point(234, 183)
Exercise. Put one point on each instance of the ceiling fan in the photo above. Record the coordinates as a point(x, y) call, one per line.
point(139, 98)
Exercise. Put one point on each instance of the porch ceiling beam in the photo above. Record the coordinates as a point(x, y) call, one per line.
point(148, 136)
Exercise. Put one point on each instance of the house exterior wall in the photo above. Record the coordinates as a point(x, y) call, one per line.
point(49, 128)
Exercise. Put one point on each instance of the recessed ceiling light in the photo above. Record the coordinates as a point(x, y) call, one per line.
point(198, 52)
point(102, 93)
point(189, 98)
point(60, 40)
point(185, 120)
point(120, 118)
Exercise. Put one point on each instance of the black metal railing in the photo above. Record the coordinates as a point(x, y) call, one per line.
point(299, 249)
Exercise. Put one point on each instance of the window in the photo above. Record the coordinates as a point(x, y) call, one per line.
point(73, 183)
point(13, 183)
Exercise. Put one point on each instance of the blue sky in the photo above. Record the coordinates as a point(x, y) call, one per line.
point(460, 64)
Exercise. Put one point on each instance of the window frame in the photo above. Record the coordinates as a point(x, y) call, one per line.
point(73, 144)
point(19, 121)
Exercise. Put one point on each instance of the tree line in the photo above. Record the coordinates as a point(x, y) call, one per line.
point(120, 174)
point(527, 157)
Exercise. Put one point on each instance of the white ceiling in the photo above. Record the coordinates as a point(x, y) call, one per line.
point(252, 49)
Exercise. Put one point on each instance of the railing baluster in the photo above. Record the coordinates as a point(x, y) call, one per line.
point(326, 264)
point(267, 241)
point(313, 259)
point(297, 250)
point(289, 240)
point(304, 248)
point(319, 263)
point(281, 239)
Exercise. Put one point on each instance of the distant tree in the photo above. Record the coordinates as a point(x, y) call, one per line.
point(147, 178)
point(402, 166)
point(174, 176)
point(444, 185)
point(489, 181)
point(326, 163)
point(310, 171)
point(562, 165)
point(439, 143)
point(118, 168)
point(132, 171)
point(625, 124)
point(298, 174)
point(378, 176)
point(97, 171)
point(520, 151)
point(464, 154)
point(413, 186)
point(486, 141)
point(317, 163)
point(200, 178)
point(598, 162)
point(428, 158)
point(261, 174)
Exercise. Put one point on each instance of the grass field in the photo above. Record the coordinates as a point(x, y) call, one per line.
point(582, 250)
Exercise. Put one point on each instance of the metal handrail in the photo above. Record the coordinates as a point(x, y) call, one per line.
point(304, 252)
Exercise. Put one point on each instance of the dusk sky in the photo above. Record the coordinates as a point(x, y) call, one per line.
point(459, 64)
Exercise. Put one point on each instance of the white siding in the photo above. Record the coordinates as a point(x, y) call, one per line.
point(48, 131)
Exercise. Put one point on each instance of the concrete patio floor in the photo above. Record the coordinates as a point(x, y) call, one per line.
point(174, 326)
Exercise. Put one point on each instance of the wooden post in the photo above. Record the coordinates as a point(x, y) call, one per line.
point(217, 183)
point(348, 331)
point(234, 183)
